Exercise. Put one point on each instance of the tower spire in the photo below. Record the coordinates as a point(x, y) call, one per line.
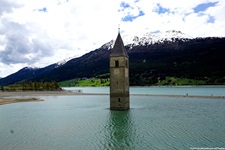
point(119, 76)
point(118, 48)
point(119, 28)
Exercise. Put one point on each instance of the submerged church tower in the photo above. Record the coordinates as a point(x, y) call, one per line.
point(119, 76)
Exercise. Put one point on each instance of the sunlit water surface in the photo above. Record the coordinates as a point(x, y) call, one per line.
point(86, 122)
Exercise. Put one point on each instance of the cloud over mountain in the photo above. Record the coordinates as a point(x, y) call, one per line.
point(34, 33)
point(19, 47)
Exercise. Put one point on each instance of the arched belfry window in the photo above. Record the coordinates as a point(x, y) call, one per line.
point(117, 63)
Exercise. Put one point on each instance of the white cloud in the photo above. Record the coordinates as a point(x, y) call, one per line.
point(30, 37)
point(180, 16)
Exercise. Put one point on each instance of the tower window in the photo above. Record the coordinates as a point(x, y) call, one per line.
point(118, 99)
point(117, 63)
point(126, 63)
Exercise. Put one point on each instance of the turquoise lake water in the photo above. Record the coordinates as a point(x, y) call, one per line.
point(86, 122)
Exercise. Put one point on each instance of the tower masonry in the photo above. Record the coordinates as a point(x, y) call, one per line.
point(119, 76)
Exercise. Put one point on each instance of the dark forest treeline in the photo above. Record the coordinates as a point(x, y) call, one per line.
point(32, 86)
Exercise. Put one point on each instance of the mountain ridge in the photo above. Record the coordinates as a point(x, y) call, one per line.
point(148, 60)
point(149, 38)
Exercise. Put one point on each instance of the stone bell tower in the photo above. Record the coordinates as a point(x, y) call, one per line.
point(119, 76)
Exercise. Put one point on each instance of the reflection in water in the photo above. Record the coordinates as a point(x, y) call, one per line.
point(121, 130)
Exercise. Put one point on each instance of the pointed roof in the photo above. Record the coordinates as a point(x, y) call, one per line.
point(118, 48)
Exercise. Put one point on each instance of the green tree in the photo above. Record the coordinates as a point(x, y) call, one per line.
point(1, 88)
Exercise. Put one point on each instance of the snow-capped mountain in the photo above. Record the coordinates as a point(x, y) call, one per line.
point(28, 73)
point(108, 45)
point(149, 38)
point(55, 65)
point(194, 58)
point(30, 68)
point(140, 39)
point(62, 62)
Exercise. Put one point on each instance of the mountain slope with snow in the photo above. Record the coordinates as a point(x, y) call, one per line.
point(152, 57)
point(150, 38)
point(62, 62)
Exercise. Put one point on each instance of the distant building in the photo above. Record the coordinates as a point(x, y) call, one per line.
point(119, 77)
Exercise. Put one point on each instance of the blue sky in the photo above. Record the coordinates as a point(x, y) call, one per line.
point(203, 7)
point(129, 17)
point(43, 9)
point(162, 10)
point(38, 33)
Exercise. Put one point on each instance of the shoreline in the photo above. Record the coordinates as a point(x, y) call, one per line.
point(4, 101)
point(36, 93)
point(74, 93)
point(216, 85)
point(186, 96)
point(28, 96)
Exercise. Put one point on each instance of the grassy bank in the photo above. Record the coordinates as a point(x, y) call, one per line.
point(85, 82)
point(181, 81)
point(171, 81)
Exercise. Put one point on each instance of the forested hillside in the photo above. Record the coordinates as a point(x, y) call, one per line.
point(196, 59)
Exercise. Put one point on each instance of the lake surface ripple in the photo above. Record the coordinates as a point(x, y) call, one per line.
point(86, 122)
